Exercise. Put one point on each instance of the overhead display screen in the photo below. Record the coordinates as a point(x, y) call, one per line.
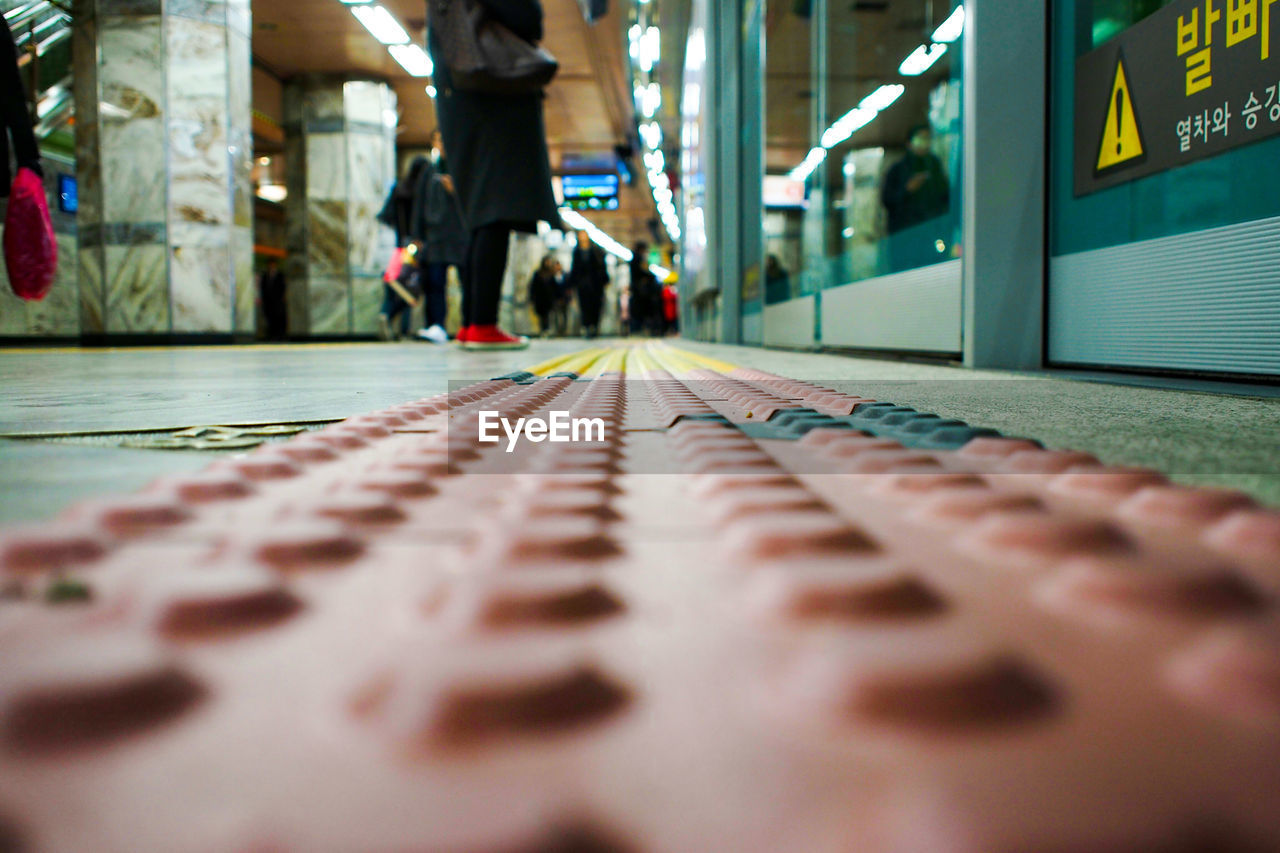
point(590, 192)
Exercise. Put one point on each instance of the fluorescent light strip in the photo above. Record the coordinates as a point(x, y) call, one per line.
point(921, 59)
point(381, 24)
point(412, 58)
point(952, 28)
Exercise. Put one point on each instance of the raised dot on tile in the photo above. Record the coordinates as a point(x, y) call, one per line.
point(925, 482)
point(1248, 534)
point(341, 438)
point(743, 503)
point(261, 466)
point(298, 546)
point(710, 485)
point(1046, 461)
point(997, 448)
point(573, 837)
point(969, 504)
point(566, 502)
point(855, 445)
point(1121, 585)
point(957, 696)
point(542, 707)
point(135, 515)
point(822, 436)
point(601, 481)
point(1108, 484)
point(553, 538)
point(1179, 506)
point(1232, 672)
point(209, 605)
point(89, 693)
point(51, 546)
point(558, 607)
point(209, 487)
point(786, 535)
point(398, 484)
point(1037, 537)
point(887, 596)
point(306, 449)
point(886, 461)
point(726, 461)
point(360, 508)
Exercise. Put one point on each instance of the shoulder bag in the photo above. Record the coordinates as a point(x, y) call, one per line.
point(483, 55)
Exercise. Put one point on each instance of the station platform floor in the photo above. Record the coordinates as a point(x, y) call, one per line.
point(64, 413)
point(288, 599)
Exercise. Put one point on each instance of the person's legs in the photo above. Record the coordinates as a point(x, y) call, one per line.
point(487, 264)
point(436, 307)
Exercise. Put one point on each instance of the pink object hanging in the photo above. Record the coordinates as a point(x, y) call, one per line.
point(30, 247)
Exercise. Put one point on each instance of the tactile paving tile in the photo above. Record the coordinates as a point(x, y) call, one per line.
point(759, 615)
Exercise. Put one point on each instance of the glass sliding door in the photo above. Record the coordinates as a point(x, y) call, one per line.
point(863, 174)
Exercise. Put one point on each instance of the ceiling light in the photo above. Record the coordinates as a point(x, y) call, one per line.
point(848, 124)
point(651, 100)
point(883, 97)
point(811, 162)
point(952, 28)
point(921, 59)
point(651, 133)
point(273, 192)
point(412, 58)
point(431, 91)
point(381, 24)
point(650, 48)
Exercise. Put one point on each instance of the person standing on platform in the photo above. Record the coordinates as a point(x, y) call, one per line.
point(437, 224)
point(271, 296)
point(501, 171)
point(915, 191)
point(646, 293)
point(544, 292)
point(589, 276)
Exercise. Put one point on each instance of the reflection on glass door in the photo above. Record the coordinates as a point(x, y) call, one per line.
point(863, 168)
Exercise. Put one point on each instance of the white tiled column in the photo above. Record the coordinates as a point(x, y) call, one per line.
point(340, 165)
point(164, 154)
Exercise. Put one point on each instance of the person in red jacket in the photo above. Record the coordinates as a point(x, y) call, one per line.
point(671, 308)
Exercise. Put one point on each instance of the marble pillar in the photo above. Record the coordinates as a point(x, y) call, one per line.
point(164, 154)
point(340, 165)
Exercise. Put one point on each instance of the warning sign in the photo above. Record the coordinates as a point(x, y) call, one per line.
point(1121, 142)
point(1192, 80)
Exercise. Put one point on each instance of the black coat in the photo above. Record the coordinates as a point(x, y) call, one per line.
point(497, 144)
point(906, 208)
point(437, 218)
point(14, 115)
point(398, 211)
point(588, 271)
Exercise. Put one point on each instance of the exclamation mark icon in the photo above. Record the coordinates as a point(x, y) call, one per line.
point(1119, 121)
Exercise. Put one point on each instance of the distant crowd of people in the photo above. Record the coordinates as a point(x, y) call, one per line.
point(644, 305)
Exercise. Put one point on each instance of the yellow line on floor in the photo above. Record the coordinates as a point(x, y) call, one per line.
point(704, 361)
point(558, 364)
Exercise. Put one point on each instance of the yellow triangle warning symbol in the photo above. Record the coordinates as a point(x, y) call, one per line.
point(1121, 136)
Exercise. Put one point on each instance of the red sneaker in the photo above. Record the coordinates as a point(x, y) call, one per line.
point(463, 334)
point(491, 337)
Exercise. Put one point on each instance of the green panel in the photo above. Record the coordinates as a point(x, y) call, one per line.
point(1234, 187)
